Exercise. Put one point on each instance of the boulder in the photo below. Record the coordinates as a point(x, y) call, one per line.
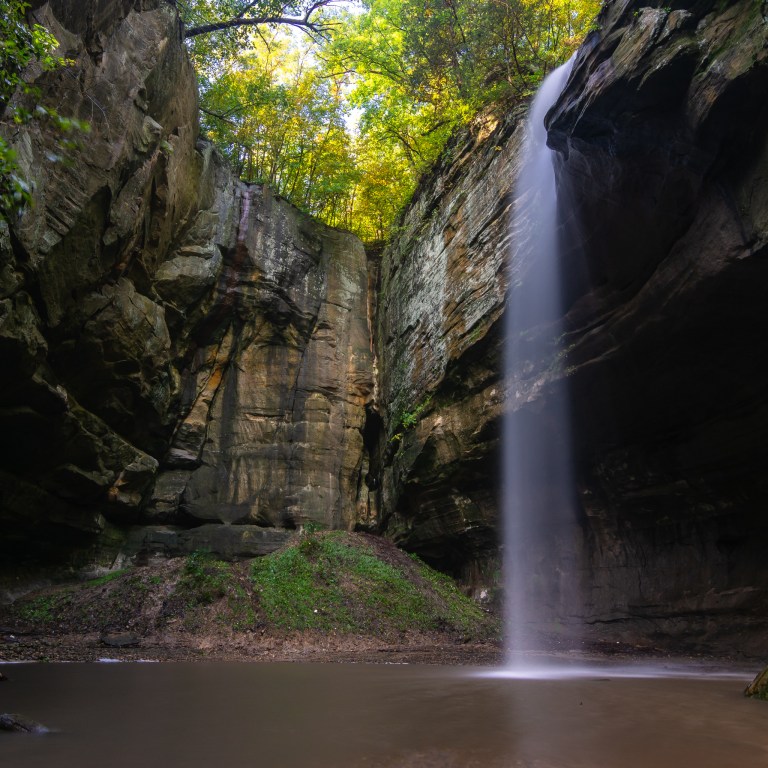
point(228, 542)
point(758, 688)
point(120, 640)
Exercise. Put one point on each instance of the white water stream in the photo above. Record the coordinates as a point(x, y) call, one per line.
point(537, 485)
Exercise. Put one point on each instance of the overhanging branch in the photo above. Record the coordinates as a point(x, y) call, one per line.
point(305, 22)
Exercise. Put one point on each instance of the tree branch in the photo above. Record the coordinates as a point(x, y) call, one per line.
point(305, 22)
point(217, 116)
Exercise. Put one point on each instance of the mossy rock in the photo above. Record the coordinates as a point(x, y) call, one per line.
point(758, 688)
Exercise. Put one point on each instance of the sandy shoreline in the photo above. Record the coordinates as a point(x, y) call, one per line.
point(246, 647)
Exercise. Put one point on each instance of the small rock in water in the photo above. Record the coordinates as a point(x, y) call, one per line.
point(3, 678)
point(120, 640)
point(20, 724)
point(758, 688)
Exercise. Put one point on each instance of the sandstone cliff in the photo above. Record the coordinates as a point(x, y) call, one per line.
point(661, 139)
point(189, 362)
point(179, 348)
point(84, 407)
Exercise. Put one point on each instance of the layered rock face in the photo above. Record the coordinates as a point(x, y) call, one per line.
point(178, 348)
point(275, 407)
point(85, 409)
point(442, 291)
point(661, 141)
point(663, 135)
point(188, 361)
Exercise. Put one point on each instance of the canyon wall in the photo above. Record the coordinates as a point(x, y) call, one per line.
point(661, 138)
point(191, 363)
point(187, 358)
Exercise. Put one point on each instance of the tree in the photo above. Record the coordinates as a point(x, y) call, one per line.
point(281, 122)
point(409, 71)
point(423, 67)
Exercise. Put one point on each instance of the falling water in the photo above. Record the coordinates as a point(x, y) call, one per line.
point(537, 483)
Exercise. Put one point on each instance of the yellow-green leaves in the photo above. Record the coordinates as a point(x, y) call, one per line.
point(344, 125)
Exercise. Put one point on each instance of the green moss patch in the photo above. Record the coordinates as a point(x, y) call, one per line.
point(206, 581)
point(352, 583)
point(331, 582)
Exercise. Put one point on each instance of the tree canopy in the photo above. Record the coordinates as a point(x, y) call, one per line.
point(340, 106)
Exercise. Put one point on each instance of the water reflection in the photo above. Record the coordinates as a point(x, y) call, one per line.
point(365, 716)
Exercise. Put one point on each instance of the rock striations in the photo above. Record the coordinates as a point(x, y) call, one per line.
point(662, 141)
point(191, 363)
point(180, 348)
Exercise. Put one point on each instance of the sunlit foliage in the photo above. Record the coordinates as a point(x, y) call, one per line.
point(21, 46)
point(344, 119)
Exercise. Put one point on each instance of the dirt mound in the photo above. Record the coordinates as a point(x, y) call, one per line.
point(329, 596)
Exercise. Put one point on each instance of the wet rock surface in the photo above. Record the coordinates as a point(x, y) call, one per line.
point(19, 724)
point(663, 137)
point(439, 353)
point(661, 143)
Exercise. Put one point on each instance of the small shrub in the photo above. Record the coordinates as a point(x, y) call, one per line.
point(205, 579)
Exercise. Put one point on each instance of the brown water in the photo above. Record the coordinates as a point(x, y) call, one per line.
point(365, 716)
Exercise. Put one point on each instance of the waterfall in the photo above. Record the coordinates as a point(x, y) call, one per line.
point(537, 484)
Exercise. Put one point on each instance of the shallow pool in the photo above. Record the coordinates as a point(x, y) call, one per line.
point(344, 716)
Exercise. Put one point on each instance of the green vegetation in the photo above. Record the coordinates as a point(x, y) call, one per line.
point(343, 117)
point(339, 107)
point(20, 46)
point(206, 581)
point(408, 419)
point(45, 608)
point(337, 582)
point(105, 578)
point(328, 581)
point(205, 578)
